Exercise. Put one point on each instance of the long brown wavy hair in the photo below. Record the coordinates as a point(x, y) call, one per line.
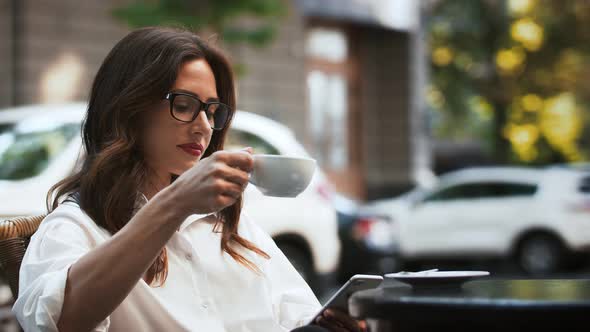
point(135, 75)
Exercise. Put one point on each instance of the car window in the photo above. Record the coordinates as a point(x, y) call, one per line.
point(483, 190)
point(238, 139)
point(584, 185)
point(6, 127)
point(512, 189)
point(24, 155)
point(461, 191)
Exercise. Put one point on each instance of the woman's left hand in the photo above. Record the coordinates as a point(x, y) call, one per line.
point(337, 321)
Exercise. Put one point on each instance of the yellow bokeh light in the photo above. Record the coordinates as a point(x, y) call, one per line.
point(523, 139)
point(481, 107)
point(527, 154)
point(510, 60)
point(532, 102)
point(435, 98)
point(528, 33)
point(562, 124)
point(526, 134)
point(520, 7)
point(442, 56)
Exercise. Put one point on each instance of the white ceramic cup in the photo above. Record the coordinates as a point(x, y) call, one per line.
point(281, 176)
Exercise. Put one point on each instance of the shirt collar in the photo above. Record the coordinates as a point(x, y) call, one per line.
point(191, 219)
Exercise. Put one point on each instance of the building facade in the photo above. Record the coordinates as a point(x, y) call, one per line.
point(339, 74)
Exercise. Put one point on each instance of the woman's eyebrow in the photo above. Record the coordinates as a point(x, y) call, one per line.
point(195, 95)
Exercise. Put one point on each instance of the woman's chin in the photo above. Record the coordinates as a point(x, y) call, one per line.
point(186, 166)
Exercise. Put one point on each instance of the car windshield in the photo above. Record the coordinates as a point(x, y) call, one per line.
point(26, 151)
point(414, 195)
point(238, 139)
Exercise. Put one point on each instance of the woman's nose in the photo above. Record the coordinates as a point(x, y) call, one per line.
point(201, 123)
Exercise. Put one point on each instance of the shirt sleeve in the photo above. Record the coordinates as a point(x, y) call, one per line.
point(293, 301)
point(58, 243)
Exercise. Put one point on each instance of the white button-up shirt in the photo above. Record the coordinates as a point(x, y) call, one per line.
point(206, 289)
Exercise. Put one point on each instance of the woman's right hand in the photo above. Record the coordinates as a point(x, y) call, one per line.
point(214, 182)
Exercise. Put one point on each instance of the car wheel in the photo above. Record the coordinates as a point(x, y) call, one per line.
point(540, 254)
point(300, 261)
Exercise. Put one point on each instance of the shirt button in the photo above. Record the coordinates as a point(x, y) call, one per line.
point(205, 305)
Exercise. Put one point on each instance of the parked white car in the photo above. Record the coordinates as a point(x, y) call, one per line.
point(40, 144)
point(539, 216)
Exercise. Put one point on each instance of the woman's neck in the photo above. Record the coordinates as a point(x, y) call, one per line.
point(155, 183)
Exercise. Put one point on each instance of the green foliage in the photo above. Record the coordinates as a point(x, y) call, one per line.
point(221, 16)
point(486, 57)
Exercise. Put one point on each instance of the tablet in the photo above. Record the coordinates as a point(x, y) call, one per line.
point(356, 283)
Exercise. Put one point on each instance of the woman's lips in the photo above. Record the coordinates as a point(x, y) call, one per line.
point(192, 149)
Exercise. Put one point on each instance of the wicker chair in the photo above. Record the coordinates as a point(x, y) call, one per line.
point(15, 235)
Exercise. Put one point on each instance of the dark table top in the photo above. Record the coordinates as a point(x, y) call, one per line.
point(491, 302)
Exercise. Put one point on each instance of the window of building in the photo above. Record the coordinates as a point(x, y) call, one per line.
point(328, 93)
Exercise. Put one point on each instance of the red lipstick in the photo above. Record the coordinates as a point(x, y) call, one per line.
point(193, 149)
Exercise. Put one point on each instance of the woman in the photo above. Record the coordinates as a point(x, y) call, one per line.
point(148, 235)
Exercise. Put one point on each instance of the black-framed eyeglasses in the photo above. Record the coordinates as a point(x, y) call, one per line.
point(185, 107)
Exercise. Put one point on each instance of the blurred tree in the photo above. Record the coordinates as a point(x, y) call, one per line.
point(253, 22)
point(510, 74)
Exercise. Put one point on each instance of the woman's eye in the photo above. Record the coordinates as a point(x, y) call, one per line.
point(181, 108)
